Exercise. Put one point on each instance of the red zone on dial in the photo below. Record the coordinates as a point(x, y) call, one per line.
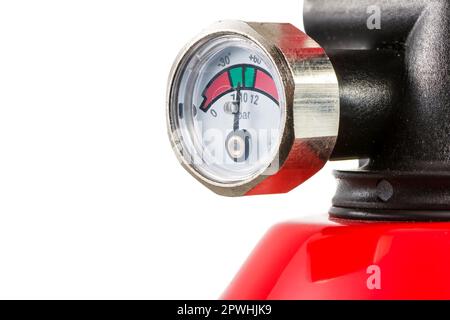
point(247, 77)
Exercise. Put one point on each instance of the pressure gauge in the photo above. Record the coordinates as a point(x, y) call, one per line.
point(252, 108)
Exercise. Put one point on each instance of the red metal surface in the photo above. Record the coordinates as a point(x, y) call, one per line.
point(348, 260)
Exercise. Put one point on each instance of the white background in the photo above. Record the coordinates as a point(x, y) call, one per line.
point(93, 203)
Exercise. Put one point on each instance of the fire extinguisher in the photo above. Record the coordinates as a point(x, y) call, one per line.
point(258, 108)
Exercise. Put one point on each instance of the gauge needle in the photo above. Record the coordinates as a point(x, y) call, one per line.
point(237, 111)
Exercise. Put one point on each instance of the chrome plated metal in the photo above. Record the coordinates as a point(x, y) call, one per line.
point(310, 111)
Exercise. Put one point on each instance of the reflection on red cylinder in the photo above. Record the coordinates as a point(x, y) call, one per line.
point(348, 260)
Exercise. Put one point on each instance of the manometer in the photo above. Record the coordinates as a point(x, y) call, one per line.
point(252, 107)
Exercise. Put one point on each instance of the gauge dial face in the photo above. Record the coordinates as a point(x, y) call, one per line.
point(227, 106)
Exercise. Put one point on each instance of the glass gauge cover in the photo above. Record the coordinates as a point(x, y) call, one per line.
point(230, 100)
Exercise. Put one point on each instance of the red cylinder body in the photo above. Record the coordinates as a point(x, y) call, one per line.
point(348, 260)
